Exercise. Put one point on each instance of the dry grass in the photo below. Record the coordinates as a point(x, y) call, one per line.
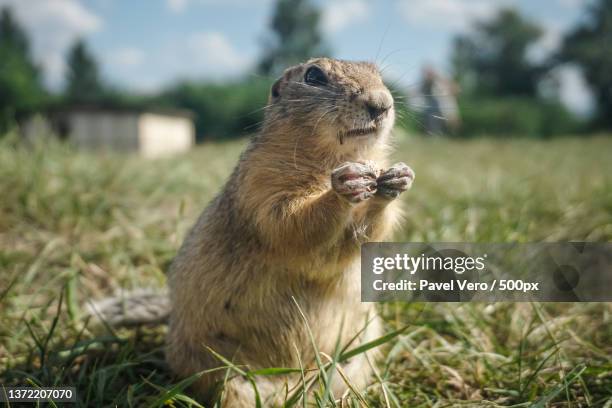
point(74, 226)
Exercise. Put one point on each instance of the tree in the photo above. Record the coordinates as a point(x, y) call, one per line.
point(296, 36)
point(20, 89)
point(588, 46)
point(11, 34)
point(83, 82)
point(493, 59)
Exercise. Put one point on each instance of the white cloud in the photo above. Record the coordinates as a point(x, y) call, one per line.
point(342, 13)
point(213, 52)
point(177, 6)
point(551, 38)
point(548, 43)
point(448, 15)
point(208, 55)
point(573, 4)
point(126, 57)
point(53, 25)
point(574, 91)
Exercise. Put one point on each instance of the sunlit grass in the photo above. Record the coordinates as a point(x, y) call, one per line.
point(76, 226)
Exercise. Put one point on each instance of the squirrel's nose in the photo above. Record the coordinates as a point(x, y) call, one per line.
point(376, 110)
point(378, 104)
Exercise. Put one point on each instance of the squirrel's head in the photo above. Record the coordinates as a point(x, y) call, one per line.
point(337, 102)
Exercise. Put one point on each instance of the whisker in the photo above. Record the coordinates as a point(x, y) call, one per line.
point(382, 41)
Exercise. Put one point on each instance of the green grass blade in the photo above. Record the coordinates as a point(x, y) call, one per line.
point(570, 378)
point(274, 371)
point(371, 344)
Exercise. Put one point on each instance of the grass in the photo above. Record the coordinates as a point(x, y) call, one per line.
point(76, 226)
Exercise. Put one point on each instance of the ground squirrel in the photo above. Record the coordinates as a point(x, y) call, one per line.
point(286, 229)
point(311, 187)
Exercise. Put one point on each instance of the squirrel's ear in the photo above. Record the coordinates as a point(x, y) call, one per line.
point(275, 90)
point(277, 87)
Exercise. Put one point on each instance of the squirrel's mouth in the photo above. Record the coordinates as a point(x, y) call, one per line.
point(362, 131)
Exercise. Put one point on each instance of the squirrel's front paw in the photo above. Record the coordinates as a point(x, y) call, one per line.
point(391, 183)
point(354, 181)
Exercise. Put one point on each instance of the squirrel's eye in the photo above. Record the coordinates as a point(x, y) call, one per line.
point(315, 76)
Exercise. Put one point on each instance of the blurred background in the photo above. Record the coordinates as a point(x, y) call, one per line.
point(504, 113)
point(461, 67)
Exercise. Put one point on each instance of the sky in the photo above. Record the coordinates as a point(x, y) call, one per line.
point(144, 45)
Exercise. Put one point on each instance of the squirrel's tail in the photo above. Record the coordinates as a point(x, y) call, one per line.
point(138, 307)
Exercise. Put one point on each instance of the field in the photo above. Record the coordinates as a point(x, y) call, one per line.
point(77, 226)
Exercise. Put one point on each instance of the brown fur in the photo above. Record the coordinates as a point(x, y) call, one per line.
point(278, 231)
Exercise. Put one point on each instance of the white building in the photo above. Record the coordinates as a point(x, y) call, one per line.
point(151, 133)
